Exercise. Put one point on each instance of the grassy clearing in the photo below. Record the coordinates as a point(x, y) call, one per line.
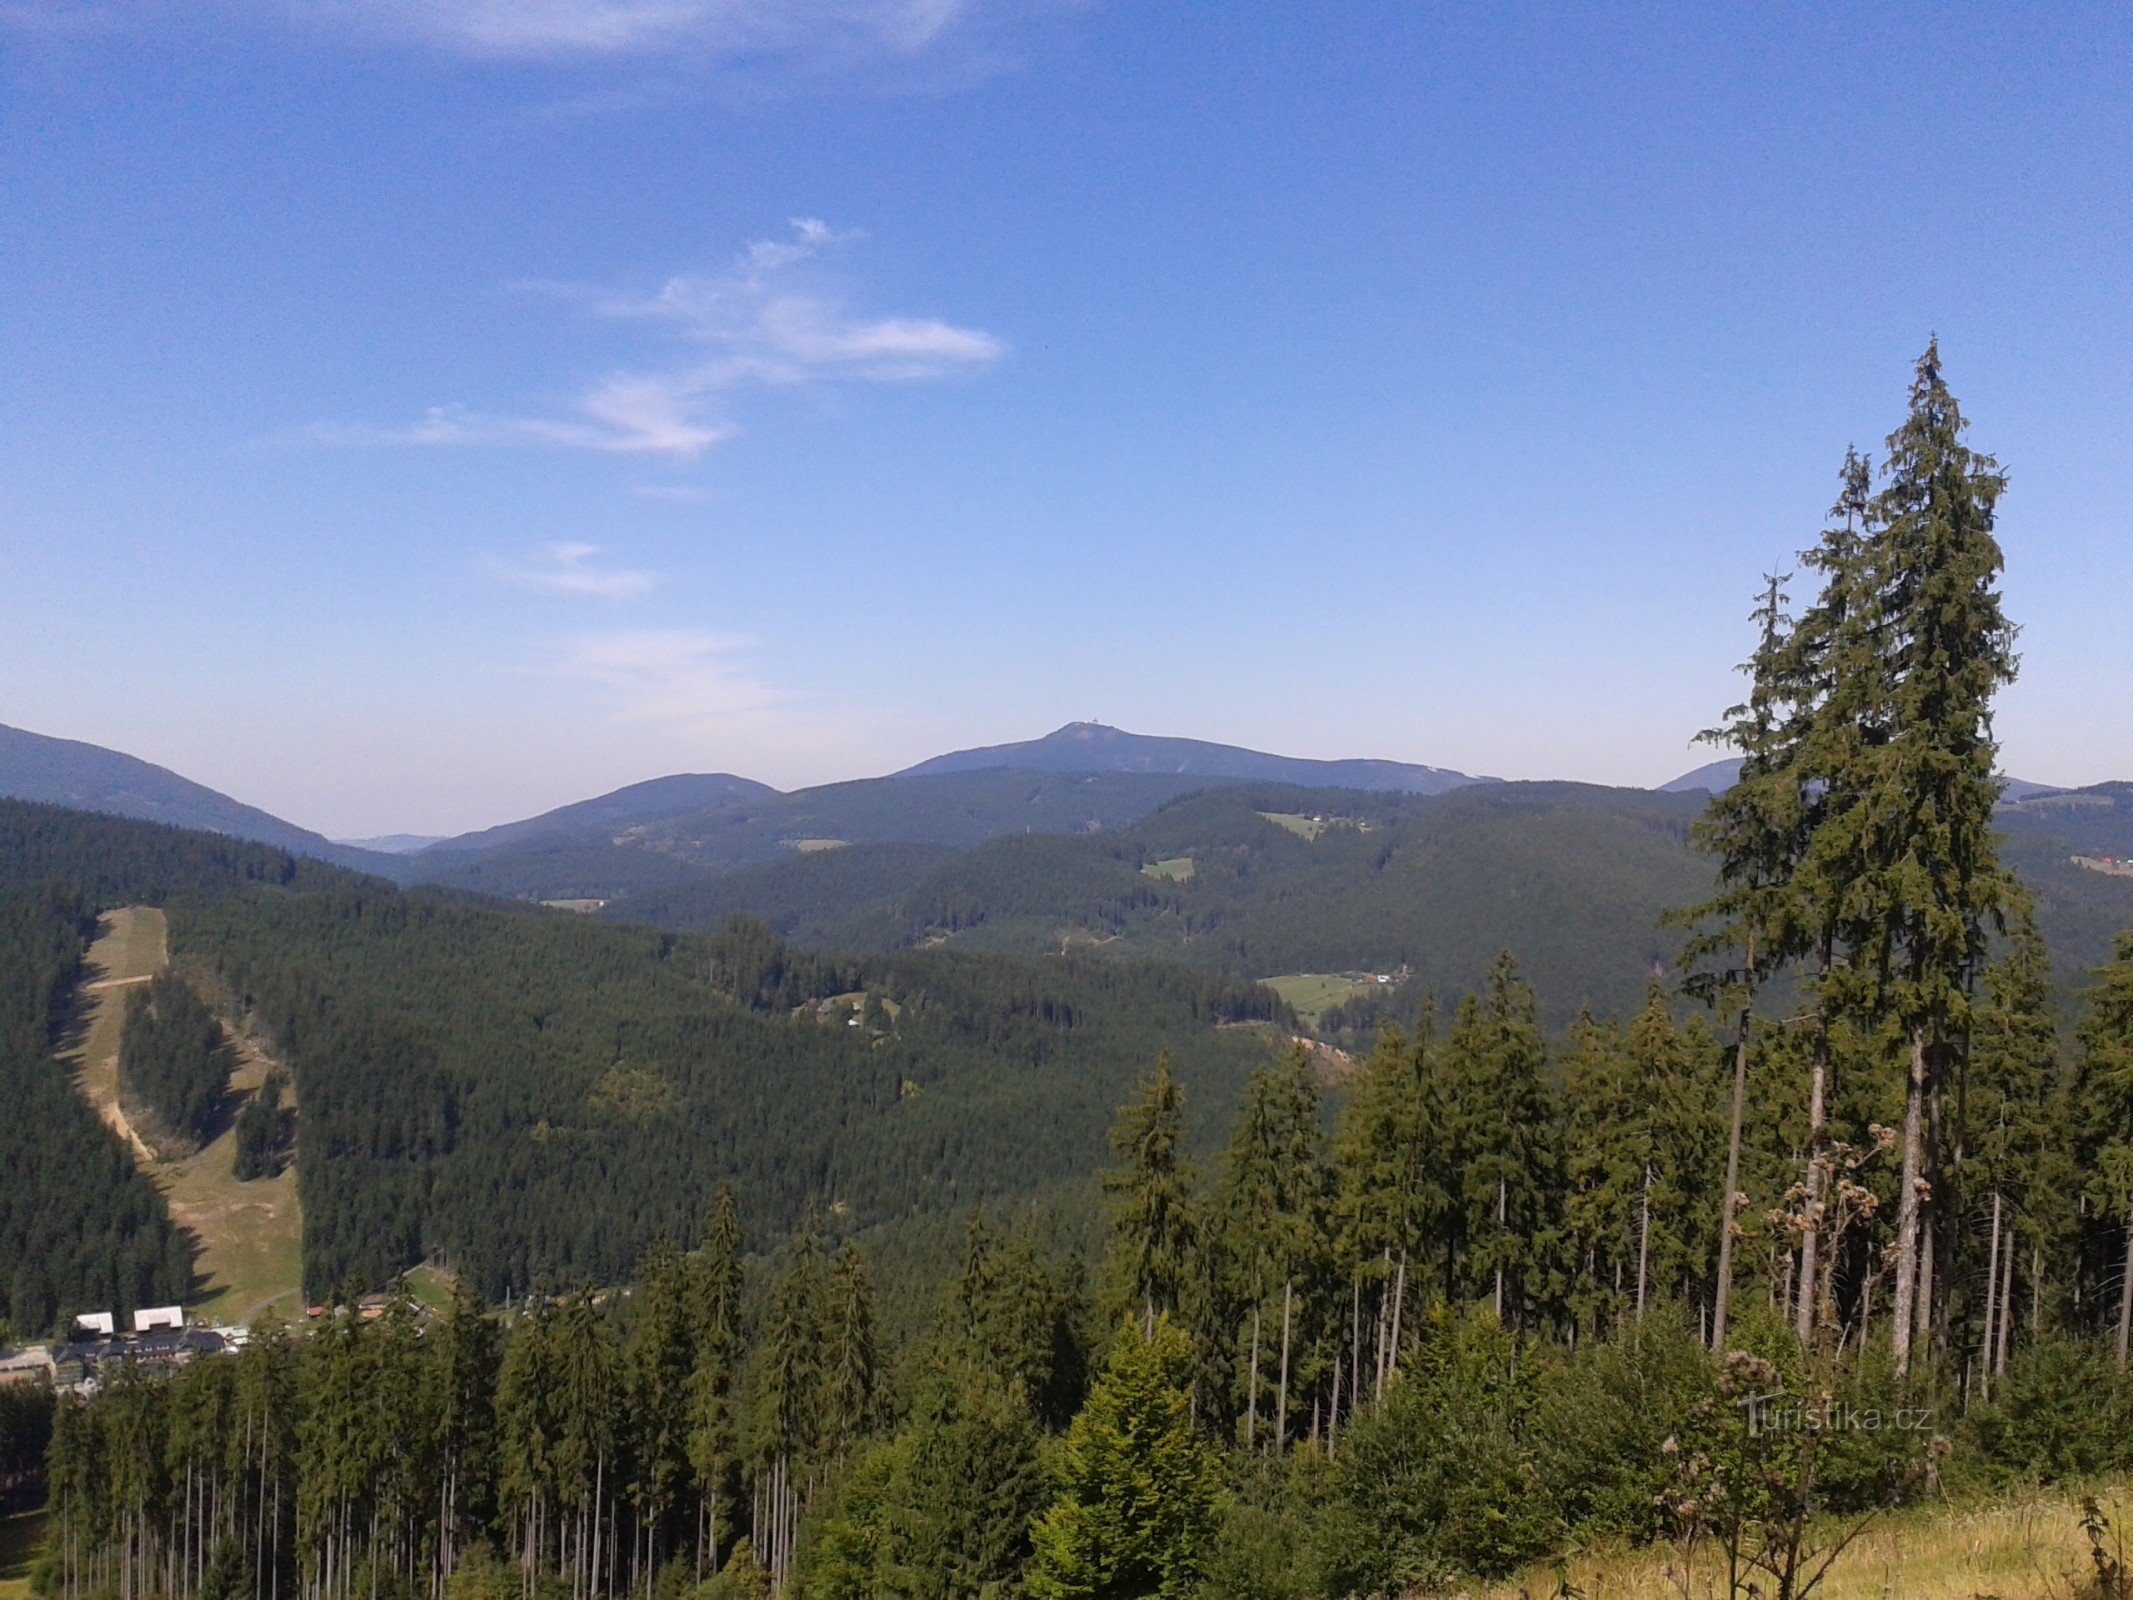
point(1311, 994)
point(429, 1286)
point(808, 847)
point(2025, 1547)
point(1176, 869)
point(1297, 823)
point(250, 1234)
point(21, 1534)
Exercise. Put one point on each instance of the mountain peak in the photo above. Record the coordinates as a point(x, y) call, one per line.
point(1099, 747)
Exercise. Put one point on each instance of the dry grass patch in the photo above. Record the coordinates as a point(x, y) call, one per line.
point(2025, 1547)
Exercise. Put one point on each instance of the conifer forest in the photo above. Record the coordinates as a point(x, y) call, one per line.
point(941, 1275)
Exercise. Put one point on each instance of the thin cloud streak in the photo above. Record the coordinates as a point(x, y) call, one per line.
point(762, 323)
point(820, 32)
point(683, 677)
point(569, 569)
point(565, 29)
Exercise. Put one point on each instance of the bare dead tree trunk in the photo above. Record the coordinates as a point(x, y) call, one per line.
point(1281, 1414)
point(2036, 1293)
point(1399, 1297)
point(1378, 1319)
point(1355, 1340)
point(2125, 1299)
point(1644, 1239)
point(1722, 1301)
point(1502, 1215)
point(1993, 1303)
point(1333, 1412)
point(1936, 1244)
point(2007, 1271)
point(1904, 1313)
point(1803, 1325)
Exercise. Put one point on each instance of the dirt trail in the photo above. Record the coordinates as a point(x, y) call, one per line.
point(251, 1234)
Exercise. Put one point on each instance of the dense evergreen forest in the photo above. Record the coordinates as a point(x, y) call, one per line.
point(960, 809)
point(1574, 878)
point(174, 1063)
point(471, 1074)
point(78, 1224)
point(1473, 1326)
point(530, 1094)
point(80, 1227)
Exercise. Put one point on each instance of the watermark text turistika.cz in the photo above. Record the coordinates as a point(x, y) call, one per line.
point(1778, 1412)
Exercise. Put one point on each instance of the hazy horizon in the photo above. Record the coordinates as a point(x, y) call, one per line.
point(419, 417)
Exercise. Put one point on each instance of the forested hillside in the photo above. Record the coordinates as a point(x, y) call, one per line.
point(622, 810)
point(1573, 878)
point(960, 809)
point(174, 1064)
point(2096, 821)
point(536, 1096)
point(1408, 1358)
point(80, 1227)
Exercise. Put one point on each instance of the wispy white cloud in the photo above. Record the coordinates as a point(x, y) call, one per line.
point(768, 320)
point(682, 677)
point(521, 29)
point(571, 569)
point(817, 32)
point(624, 414)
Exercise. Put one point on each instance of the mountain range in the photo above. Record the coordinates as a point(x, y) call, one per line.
point(931, 988)
point(931, 853)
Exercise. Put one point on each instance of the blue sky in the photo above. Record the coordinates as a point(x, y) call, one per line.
point(416, 413)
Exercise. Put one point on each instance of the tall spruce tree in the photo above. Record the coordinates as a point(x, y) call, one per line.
point(1928, 792)
point(658, 1363)
point(790, 1398)
point(1016, 1315)
point(466, 1346)
point(715, 1276)
point(1391, 1191)
point(1271, 1209)
point(1832, 681)
point(1154, 1227)
point(1750, 927)
point(2007, 1100)
point(851, 1377)
point(1502, 1122)
point(1607, 1159)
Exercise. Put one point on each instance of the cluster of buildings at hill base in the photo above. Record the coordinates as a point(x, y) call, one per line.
point(159, 1337)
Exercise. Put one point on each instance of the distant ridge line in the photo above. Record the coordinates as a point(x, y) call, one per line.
point(1097, 747)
